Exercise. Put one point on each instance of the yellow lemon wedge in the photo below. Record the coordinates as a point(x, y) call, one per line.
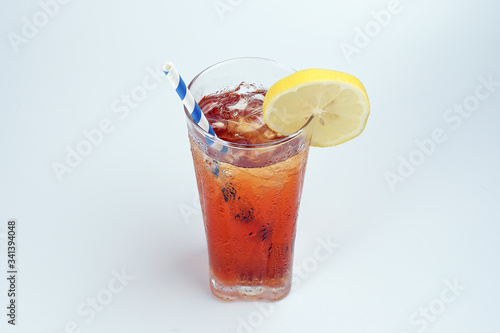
point(337, 101)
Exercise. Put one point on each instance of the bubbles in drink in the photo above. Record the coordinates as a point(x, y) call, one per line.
point(229, 192)
point(245, 214)
point(212, 165)
point(264, 232)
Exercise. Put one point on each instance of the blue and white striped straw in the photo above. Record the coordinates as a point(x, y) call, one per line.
point(190, 104)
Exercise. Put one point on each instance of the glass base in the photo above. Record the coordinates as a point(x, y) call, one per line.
point(248, 293)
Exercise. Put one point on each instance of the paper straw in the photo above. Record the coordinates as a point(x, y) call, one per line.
point(190, 104)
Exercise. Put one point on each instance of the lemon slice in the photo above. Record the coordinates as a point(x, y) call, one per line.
point(338, 102)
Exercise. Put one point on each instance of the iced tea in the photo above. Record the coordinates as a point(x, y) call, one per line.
point(249, 195)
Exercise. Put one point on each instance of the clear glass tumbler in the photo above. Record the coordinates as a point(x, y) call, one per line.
point(249, 194)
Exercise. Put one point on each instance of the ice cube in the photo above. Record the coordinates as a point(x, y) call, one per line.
point(269, 134)
point(218, 125)
point(240, 105)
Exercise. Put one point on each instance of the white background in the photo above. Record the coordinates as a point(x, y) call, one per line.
point(129, 207)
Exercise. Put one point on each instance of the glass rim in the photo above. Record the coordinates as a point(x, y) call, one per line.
point(234, 144)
